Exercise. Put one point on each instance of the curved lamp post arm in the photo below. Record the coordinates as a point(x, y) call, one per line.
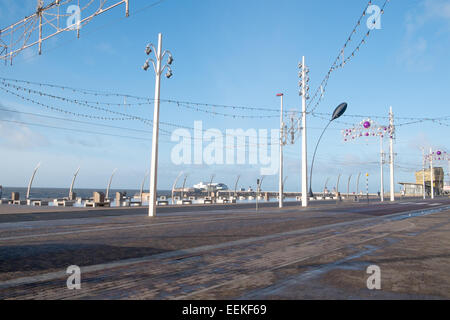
point(170, 60)
point(260, 182)
point(168, 68)
point(184, 185)
point(147, 65)
point(210, 185)
point(325, 186)
point(73, 181)
point(142, 185)
point(338, 112)
point(348, 185)
point(31, 180)
point(109, 184)
point(175, 184)
point(235, 185)
point(314, 156)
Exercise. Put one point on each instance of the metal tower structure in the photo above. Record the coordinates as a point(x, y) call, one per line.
point(50, 20)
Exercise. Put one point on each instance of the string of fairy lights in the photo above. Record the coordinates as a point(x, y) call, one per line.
point(341, 60)
point(248, 144)
point(408, 120)
point(99, 105)
point(123, 117)
point(191, 105)
point(196, 106)
point(163, 132)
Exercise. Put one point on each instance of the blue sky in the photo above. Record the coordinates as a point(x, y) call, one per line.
point(229, 52)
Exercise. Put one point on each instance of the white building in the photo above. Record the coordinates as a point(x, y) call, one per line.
point(203, 186)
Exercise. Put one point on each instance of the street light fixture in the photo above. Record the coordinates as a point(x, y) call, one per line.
point(148, 50)
point(338, 112)
point(169, 73)
point(170, 59)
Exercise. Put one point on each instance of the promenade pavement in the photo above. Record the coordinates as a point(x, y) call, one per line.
point(320, 252)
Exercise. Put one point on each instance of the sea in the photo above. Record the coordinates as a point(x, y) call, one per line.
point(56, 193)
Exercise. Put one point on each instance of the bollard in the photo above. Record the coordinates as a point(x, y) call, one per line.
point(119, 198)
point(99, 197)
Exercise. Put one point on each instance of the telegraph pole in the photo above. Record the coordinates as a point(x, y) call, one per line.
point(159, 55)
point(381, 170)
point(282, 142)
point(348, 186)
point(431, 173)
point(304, 94)
point(367, 187)
point(423, 173)
point(357, 185)
point(257, 192)
point(337, 185)
point(391, 151)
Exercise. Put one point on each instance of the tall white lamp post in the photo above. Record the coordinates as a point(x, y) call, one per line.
point(282, 143)
point(159, 55)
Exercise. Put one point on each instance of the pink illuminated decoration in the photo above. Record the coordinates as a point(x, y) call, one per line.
point(438, 156)
point(367, 128)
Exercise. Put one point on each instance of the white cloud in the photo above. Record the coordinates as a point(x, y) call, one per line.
point(20, 137)
point(419, 44)
point(437, 9)
point(16, 135)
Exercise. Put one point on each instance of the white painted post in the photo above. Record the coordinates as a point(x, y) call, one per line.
point(423, 174)
point(154, 161)
point(337, 185)
point(280, 173)
point(367, 187)
point(348, 186)
point(357, 185)
point(431, 173)
point(381, 170)
point(304, 145)
point(391, 151)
